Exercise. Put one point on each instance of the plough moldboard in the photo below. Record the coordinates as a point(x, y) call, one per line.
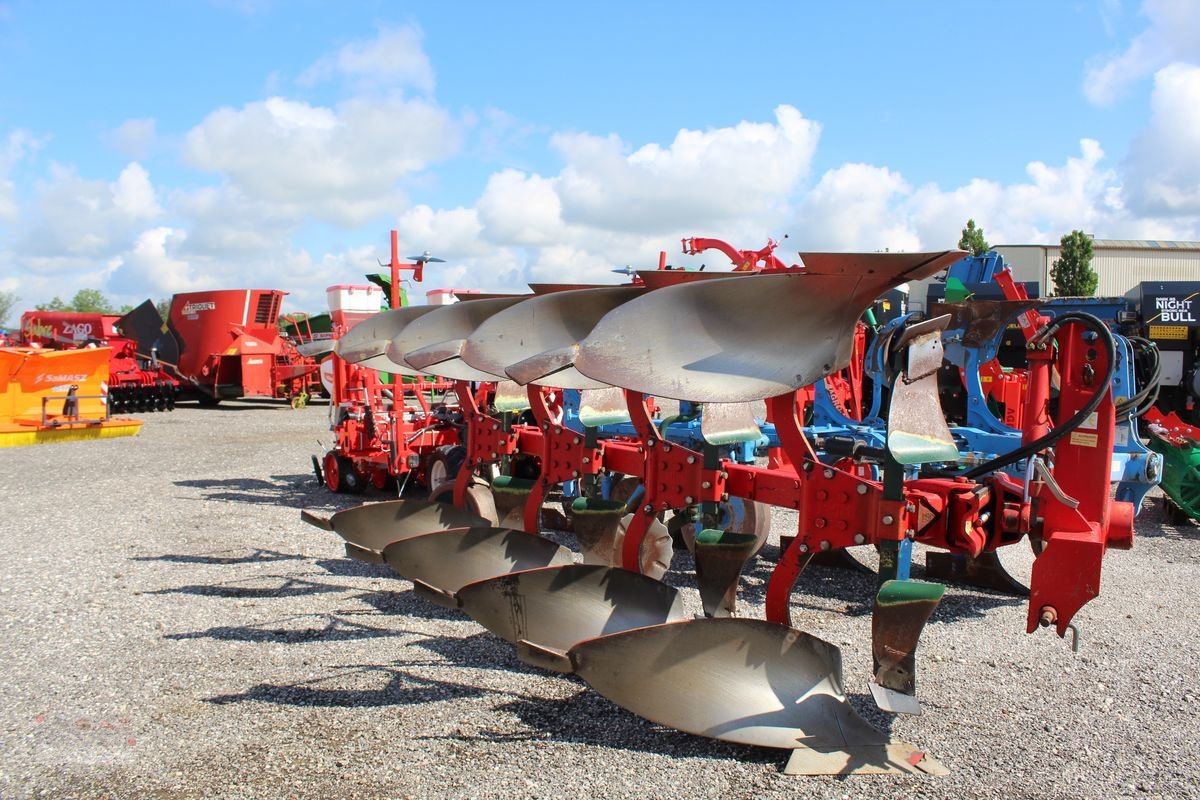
point(555, 391)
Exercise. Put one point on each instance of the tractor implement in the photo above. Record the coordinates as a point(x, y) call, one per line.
point(439, 564)
point(546, 612)
point(709, 339)
point(371, 527)
point(1179, 444)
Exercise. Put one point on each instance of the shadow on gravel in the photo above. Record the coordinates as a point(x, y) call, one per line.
point(256, 557)
point(336, 629)
point(352, 568)
point(403, 688)
point(854, 589)
point(587, 718)
point(405, 602)
point(1160, 519)
point(293, 491)
point(287, 587)
point(480, 649)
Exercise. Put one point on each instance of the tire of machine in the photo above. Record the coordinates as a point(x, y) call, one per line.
point(340, 475)
point(743, 516)
point(479, 501)
point(442, 468)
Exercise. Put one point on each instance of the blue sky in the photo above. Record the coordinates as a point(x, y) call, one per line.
point(148, 148)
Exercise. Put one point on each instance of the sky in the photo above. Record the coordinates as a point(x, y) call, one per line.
point(149, 148)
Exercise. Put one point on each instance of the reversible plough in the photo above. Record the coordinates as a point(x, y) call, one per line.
point(539, 376)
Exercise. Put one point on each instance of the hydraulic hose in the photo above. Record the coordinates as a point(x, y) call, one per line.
point(1051, 437)
point(1141, 402)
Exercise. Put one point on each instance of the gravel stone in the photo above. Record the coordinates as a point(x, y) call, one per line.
point(171, 629)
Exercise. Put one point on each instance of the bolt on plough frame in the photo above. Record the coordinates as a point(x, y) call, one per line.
point(730, 341)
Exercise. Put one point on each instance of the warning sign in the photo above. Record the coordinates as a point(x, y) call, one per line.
point(1084, 439)
point(1174, 332)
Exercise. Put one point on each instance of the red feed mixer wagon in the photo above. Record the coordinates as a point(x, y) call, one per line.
point(226, 344)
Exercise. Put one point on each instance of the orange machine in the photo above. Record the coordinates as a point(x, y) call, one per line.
point(56, 395)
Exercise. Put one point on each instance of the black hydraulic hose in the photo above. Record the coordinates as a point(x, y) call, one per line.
point(1048, 439)
point(1141, 402)
point(1151, 400)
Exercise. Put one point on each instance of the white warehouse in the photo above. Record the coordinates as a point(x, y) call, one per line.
point(1121, 264)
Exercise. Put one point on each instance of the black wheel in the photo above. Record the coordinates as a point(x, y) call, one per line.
point(340, 475)
point(442, 468)
point(675, 528)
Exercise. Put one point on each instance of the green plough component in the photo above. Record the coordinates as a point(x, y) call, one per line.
point(901, 611)
point(1181, 475)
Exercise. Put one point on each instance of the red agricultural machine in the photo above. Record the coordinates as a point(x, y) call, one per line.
point(728, 344)
point(389, 427)
point(225, 344)
point(135, 383)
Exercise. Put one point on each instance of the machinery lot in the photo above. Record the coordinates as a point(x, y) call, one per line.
point(172, 629)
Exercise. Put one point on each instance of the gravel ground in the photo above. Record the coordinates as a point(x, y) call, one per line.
point(171, 629)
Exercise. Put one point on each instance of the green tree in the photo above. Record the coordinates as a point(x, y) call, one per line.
point(972, 240)
point(164, 308)
point(84, 300)
point(91, 300)
point(7, 301)
point(54, 305)
point(1072, 272)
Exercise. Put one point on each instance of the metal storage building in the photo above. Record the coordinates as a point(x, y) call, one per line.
point(1121, 263)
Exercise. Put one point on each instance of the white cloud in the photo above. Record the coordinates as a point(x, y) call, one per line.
point(75, 217)
point(19, 146)
point(572, 262)
point(152, 268)
point(1162, 171)
point(223, 221)
point(135, 138)
point(1172, 34)
point(454, 230)
point(704, 178)
point(1080, 193)
point(859, 206)
point(340, 165)
point(133, 194)
point(395, 57)
point(850, 208)
point(521, 209)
